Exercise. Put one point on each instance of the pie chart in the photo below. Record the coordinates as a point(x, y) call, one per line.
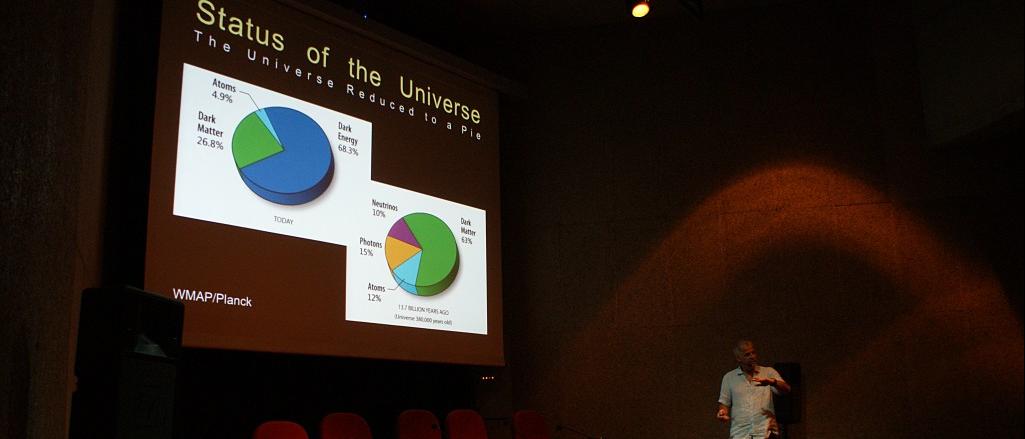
point(282, 155)
point(421, 253)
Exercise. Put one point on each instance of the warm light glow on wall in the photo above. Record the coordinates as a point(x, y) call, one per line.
point(956, 307)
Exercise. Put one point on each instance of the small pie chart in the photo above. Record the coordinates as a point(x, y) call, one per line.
point(282, 155)
point(422, 254)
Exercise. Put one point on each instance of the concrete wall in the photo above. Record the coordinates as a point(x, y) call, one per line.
point(56, 96)
point(970, 56)
point(672, 187)
point(668, 188)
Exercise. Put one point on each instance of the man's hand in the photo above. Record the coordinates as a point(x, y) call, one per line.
point(764, 381)
point(723, 415)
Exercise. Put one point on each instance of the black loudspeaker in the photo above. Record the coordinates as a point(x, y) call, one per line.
point(128, 346)
point(788, 407)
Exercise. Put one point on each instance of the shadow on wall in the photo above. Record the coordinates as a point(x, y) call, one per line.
point(945, 357)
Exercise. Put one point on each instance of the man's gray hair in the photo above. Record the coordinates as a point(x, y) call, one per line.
point(739, 347)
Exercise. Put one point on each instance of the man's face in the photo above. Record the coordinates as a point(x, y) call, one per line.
point(747, 355)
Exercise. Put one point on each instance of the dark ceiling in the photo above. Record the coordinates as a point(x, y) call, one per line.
point(463, 27)
point(498, 18)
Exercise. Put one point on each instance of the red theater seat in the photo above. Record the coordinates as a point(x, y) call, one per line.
point(465, 424)
point(280, 430)
point(344, 426)
point(529, 424)
point(418, 424)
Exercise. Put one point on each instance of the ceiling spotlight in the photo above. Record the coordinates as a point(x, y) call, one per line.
point(640, 8)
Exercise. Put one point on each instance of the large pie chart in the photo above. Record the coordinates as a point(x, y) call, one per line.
point(282, 155)
point(422, 254)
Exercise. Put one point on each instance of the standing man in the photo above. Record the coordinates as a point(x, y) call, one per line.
point(745, 397)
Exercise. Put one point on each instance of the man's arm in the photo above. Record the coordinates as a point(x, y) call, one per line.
point(781, 386)
point(725, 401)
point(723, 414)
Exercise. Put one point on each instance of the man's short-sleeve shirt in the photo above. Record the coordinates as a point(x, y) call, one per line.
point(750, 405)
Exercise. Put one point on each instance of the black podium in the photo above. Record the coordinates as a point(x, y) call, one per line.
point(128, 345)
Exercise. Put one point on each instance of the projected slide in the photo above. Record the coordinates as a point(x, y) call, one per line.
point(281, 174)
point(292, 174)
point(318, 189)
point(420, 262)
point(422, 254)
point(278, 172)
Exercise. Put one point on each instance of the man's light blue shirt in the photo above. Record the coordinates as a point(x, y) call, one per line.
point(750, 405)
